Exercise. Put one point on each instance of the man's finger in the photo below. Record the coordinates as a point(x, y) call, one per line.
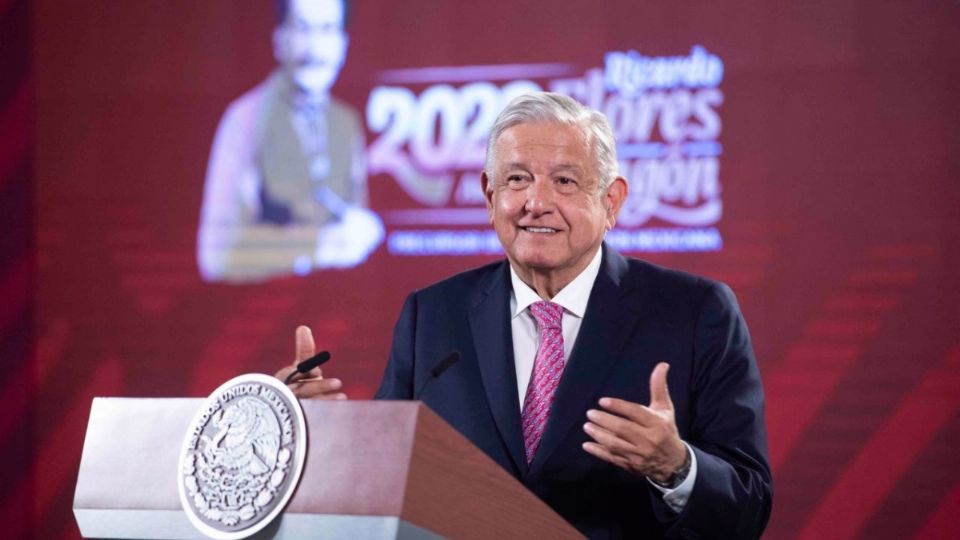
point(305, 345)
point(641, 414)
point(319, 384)
point(614, 444)
point(318, 388)
point(659, 393)
point(622, 427)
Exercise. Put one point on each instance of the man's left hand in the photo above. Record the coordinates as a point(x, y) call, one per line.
point(641, 439)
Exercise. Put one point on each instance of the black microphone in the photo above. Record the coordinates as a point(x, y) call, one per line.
point(438, 370)
point(303, 367)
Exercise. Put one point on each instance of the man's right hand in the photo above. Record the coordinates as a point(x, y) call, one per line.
point(310, 384)
point(350, 241)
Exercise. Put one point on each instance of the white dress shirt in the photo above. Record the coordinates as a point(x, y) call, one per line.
point(573, 298)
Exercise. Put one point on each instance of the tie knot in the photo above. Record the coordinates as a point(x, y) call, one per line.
point(547, 314)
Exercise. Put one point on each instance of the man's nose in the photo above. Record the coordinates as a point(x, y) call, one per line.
point(540, 196)
point(322, 41)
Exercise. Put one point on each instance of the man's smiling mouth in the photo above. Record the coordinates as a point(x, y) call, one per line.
point(540, 230)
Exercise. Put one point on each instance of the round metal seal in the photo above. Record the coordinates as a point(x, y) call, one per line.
point(242, 457)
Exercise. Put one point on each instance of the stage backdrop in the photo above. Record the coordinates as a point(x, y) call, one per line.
point(805, 153)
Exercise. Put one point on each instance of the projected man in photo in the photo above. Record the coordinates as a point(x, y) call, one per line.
point(286, 182)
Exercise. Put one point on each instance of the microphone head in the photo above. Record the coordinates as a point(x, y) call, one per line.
point(316, 360)
point(446, 363)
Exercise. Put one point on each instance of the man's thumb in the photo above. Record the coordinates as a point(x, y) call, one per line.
point(305, 345)
point(659, 393)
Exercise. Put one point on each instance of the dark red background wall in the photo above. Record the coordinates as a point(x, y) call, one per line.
point(841, 193)
point(17, 270)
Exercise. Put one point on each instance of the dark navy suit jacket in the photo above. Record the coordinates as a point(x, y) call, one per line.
point(638, 315)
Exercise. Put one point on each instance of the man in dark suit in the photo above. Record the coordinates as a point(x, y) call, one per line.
point(566, 346)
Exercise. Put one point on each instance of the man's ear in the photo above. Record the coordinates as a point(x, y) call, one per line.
point(487, 186)
point(614, 198)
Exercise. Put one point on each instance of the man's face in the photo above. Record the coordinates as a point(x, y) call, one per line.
point(544, 199)
point(311, 43)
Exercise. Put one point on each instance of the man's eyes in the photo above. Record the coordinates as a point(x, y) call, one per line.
point(567, 185)
point(517, 181)
point(562, 183)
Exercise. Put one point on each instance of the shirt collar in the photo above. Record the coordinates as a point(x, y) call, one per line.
point(573, 297)
point(297, 100)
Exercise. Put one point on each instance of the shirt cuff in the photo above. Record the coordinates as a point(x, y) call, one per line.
point(677, 497)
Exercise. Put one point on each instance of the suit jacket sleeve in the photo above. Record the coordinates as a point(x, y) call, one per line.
point(398, 378)
point(733, 491)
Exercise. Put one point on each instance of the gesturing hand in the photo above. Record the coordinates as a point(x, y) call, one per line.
point(310, 384)
point(641, 439)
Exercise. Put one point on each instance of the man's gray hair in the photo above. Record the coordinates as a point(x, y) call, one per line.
point(547, 107)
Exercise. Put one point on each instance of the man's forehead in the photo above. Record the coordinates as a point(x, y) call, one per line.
point(546, 126)
point(316, 12)
point(565, 142)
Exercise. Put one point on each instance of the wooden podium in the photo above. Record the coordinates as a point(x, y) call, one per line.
point(374, 469)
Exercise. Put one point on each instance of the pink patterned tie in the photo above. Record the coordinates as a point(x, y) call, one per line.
point(547, 368)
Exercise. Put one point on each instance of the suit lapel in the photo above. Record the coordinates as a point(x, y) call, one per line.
point(490, 328)
point(606, 326)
